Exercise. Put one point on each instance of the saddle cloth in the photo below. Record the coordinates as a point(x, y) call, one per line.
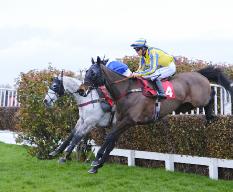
point(149, 91)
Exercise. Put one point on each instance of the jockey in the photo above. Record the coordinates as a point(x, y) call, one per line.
point(119, 67)
point(154, 64)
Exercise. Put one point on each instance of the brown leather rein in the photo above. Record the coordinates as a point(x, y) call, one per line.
point(118, 81)
point(129, 91)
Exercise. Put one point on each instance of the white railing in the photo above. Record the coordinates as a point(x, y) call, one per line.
point(171, 159)
point(224, 100)
point(8, 98)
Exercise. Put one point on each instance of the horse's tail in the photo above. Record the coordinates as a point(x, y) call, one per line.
point(216, 75)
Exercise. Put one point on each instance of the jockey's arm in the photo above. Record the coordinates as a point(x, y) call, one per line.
point(141, 65)
point(153, 65)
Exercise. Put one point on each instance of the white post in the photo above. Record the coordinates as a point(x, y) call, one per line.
point(216, 101)
point(169, 163)
point(227, 103)
point(213, 169)
point(131, 158)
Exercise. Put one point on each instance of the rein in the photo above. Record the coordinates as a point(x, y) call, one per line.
point(90, 102)
point(118, 81)
point(129, 91)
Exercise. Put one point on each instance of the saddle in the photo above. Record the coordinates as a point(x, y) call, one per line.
point(148, 88)
point(106, 102)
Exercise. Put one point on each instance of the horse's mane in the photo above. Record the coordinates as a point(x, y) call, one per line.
point(69, 77)
point(73, 81)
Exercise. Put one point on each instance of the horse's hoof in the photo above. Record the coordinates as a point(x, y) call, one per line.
point(61, 160)
point(93, 170)
point(53, 154)
point(95, 163)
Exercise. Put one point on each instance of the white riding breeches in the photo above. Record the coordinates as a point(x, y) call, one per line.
point(162, 72)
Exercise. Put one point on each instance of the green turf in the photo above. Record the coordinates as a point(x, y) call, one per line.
point(20, 172)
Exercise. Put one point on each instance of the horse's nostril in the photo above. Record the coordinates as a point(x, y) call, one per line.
point(45, 101)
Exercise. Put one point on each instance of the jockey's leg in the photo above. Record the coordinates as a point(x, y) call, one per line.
point(162, 73)
point(161, 93)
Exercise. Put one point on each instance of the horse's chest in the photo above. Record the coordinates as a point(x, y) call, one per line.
point(139, 109)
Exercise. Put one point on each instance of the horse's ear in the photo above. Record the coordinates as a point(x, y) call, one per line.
point(62, 75)
point(92, 61)
point(105, 61)
point(98, 60)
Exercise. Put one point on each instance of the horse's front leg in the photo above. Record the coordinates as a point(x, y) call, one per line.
point(75, 140)
point(63, 146)
point(106, 148)
point(100, 153)
point(82, 130)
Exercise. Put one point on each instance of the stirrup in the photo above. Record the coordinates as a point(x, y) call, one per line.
point(162, 96)
point(157, 109)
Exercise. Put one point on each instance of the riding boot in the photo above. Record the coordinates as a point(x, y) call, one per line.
point(161, 94)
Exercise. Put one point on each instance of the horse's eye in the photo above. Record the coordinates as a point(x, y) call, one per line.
point(92, 73)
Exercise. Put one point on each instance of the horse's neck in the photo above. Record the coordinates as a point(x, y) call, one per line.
point(118, 85)
point(71, 85)
point(115, 83)
point(91, 96)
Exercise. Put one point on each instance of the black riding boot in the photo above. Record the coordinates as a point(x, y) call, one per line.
point(161, 94)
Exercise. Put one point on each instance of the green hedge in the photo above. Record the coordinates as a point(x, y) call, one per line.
point(8, 118)
point(179, 134)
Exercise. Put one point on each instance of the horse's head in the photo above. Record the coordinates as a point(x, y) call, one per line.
point(93, 77)
point(56, 90)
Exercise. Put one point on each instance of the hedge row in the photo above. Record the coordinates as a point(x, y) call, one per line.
point(179, 134)
point(8, 118)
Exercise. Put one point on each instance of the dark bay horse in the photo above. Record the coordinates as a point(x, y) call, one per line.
point(192, 89)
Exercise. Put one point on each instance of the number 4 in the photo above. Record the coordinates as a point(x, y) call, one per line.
point(169, 91)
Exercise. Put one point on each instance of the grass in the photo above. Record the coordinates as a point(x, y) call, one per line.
point(20, 172)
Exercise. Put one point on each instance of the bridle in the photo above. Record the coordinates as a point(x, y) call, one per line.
point(57, 88)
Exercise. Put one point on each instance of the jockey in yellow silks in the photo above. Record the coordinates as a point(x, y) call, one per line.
point(154, 64)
